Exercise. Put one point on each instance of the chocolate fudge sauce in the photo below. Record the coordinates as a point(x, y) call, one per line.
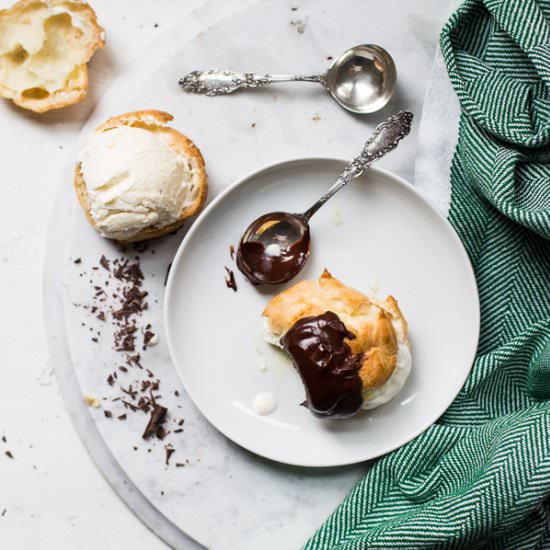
point(262, 266)
point(327, 367)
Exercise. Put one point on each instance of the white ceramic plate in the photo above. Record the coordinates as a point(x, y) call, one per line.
point(389, 233)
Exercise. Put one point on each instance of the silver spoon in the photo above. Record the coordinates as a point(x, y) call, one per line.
point(275, 246)
point(361, 80)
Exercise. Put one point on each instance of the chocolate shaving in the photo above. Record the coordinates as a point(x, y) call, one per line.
point(134, 360)
point(161, 432)
point(130, 391)
point(78, 261)
point(125, 339)
point(104, 262)
point(169, 452)
point(147, 337)
point(126, 271)
point(132, 304)
point(108, 414)
point(230, 279)
point(158, 415)
point(130, 406)
point(9, 454)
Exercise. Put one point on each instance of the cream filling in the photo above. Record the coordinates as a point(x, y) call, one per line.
point(42, 48)
point(265, 403)
point(135, 180)
point(393, 385)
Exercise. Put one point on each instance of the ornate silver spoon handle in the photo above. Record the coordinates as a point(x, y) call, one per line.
point(214, 82)
point(385, 138)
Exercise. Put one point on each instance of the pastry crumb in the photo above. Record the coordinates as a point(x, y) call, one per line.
point(336, 216)
point(92, 401)
point(300, 25)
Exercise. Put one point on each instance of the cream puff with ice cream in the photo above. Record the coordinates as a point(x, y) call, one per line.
point(351, 350)
point(137, 178)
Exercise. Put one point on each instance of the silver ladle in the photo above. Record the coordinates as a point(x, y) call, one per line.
point(275, 247)
point(361, 80)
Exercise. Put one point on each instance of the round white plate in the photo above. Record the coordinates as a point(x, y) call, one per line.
point(388, 233)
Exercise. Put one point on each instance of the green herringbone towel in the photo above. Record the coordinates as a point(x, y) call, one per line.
point(480, 477)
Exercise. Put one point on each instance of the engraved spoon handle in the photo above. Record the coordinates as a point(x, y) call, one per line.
point(214, 82)
point(385, 138)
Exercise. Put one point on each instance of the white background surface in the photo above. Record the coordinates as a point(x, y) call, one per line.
point(53, 494)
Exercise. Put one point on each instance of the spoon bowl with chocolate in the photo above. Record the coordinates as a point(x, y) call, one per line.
point(275, 247)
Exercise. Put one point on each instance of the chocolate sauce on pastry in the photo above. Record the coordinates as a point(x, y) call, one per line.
point(327, 367)
point(277, 262)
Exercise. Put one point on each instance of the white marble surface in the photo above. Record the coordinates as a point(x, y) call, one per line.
point(436, 140)
point(438, 135)
point(208, 494)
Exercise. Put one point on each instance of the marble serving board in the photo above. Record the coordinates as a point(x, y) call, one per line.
point(222, 496)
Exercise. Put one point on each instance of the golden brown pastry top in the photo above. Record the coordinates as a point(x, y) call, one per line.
point(45, 46)
point(379, 326)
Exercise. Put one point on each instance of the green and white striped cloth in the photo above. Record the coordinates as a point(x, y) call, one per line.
point(480, 476)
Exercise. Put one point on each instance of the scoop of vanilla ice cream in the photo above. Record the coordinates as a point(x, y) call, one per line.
point(135, 180)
